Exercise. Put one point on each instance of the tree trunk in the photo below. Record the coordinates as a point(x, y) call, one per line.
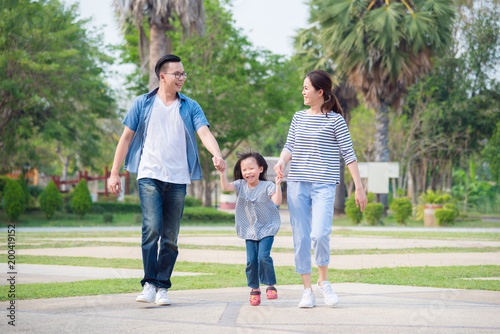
point(381, 144)
point(339, 205)
point(348, 100)
point(157, 48)
point(209, 185)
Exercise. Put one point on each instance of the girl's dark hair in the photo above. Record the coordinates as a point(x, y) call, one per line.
point(260, 161)
point(322, 80)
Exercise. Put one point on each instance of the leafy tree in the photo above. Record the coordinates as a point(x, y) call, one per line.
point(13, 200)
point(52, 86)
point(50, 200)
point(382, 47)
point(81, 201)
point(156, 18)
point(242, 91)
point(491, 154)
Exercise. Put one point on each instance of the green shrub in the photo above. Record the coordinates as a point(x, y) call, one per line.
point(400, 192)
point(66, 197)
point(96, 209)
point(107, 217)
point(110, 198)
point(50, 200)
point(353, 212)
point(371, 197)
point(131, 199)
point(35, 191)
point(22, 182)
point(13, 200)
point(402, 209)
point(81, 201)
point(203, 214)
point(430, 197)
point(192, 201)
point(116, 207)
point(445, 216)
point(373, 213)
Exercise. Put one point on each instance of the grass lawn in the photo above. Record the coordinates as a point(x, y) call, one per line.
point(225, 275)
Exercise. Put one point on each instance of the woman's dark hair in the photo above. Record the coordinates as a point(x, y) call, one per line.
point(322, 80)
point(260, 161)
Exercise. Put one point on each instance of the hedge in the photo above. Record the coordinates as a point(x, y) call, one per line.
point(197, 214)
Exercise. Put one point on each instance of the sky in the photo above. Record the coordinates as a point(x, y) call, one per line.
point(269, 24)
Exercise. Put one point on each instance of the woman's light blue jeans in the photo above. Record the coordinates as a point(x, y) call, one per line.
point(311, 215)
point(260, 266)
point(162, 204)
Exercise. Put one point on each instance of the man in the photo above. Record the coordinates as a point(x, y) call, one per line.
point(159, 144)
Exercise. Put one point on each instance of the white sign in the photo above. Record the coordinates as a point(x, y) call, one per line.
point(378, 174)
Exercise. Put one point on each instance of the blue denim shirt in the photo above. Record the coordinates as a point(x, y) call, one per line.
point(137, 119)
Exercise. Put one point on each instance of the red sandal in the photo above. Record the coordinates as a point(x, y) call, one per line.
point(271, 292)
point(255, 297)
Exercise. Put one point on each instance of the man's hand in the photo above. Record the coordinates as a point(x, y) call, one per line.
point(115, 184)
point(219, 163)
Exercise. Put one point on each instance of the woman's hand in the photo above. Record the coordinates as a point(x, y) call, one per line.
point(278, 168)
point(360, 198)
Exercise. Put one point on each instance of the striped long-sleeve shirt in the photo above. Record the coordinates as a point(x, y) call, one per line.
point(315, 142)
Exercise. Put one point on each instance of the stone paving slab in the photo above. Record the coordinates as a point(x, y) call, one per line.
point(41, 273)
point(284, 259)
point(336, 242)
point(363, 308)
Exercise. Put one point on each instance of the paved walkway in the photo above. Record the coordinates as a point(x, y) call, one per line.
point(364, 308)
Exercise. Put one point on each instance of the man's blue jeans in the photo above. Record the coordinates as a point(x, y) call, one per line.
point(259, 262)
point(162, 204)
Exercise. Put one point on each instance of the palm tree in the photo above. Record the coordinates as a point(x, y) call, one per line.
point(382, 47)
point(160, 14)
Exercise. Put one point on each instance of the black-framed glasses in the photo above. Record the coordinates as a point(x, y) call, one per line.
point(178, 75)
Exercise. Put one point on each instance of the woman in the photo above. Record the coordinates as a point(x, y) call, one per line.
point(315, 138)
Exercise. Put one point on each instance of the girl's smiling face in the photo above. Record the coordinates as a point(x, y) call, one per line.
point(250, 170)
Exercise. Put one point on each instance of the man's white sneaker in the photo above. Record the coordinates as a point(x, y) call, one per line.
point(331, 297)
point(161, 297)
point(148, 294)
point(308, 299)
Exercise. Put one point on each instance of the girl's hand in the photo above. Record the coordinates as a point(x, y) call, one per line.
point(278, 179)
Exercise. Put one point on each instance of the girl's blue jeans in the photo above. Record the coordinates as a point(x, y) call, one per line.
point(260, 268)
point(162, 204)
point(311, 215)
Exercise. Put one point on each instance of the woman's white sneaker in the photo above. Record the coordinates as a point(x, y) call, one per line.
point(331, 297)
point(161, 297)
point(148, 294)
point(308, 299)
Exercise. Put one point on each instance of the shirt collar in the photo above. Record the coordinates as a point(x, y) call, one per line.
point(154, 91)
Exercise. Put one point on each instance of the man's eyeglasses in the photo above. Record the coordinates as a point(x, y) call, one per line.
point(178, 75)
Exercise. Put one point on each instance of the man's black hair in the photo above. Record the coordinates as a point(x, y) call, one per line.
point(163, 60)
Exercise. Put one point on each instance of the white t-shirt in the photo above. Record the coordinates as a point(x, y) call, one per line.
point(164, 154)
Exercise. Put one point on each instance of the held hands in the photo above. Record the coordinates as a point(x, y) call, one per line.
point(278, 168)
point(219, 164)
point(278, 180)
point(115, 184)
point(360, 198)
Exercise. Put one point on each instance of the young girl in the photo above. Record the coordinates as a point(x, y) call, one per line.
point(257, 219)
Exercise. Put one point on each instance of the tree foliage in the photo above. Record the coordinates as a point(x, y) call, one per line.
point(50, 200)
point(51, 82)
